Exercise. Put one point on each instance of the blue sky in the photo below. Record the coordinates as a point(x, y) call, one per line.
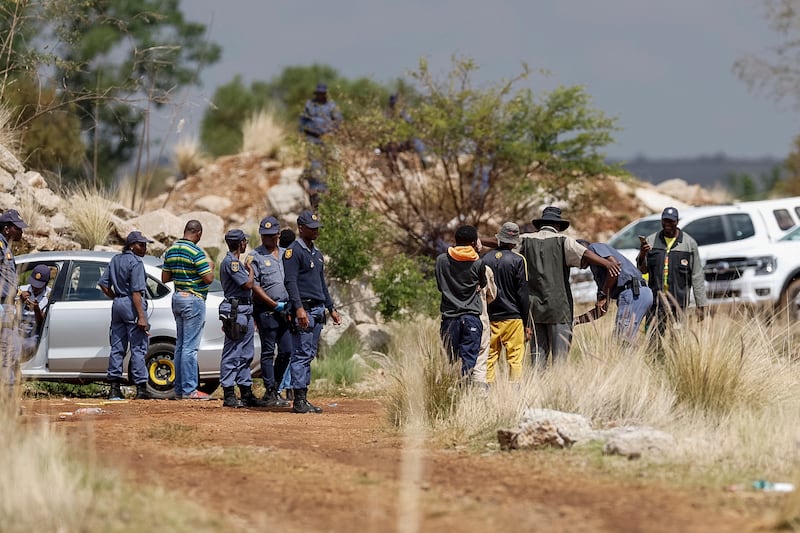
point(663, 68)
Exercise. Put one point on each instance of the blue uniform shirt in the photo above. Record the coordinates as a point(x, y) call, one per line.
point(304, 275)
point(268, 272)
point(233, 275)
point(318, 119)
point(8, 272)
point(125, 275)
point(628, 271)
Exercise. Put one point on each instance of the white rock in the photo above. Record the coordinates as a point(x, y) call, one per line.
point(160, 225)
point(290, 175)
point(212, 203)
point(574, 428)
point(9, 162)
point(286, 198)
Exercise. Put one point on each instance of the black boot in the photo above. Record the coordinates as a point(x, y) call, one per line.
point(115, 393)
point(301, 405)
point(229, 398)
point(142, 393)
point(248, 398)
point(273, 399)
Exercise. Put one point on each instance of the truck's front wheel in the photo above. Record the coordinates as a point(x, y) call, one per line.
point(790, 301)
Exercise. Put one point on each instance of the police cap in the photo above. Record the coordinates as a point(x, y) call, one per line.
point(269, 226)
point(308, 219)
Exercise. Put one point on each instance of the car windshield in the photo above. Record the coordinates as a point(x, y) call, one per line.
point(629, 238)
point(793, 235)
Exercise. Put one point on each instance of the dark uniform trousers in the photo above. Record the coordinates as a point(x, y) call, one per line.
point(237, 354)
point(305, 343)
point(273, 329)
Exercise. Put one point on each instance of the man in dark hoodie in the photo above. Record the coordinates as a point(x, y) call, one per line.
point(460, 275)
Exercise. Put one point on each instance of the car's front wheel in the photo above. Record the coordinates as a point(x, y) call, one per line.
point(160, 365)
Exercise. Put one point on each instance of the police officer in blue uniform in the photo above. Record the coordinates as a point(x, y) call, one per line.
point(308, 294)
point(236, 314)
point(124, 281)
point(11, 226)
point(270, 304)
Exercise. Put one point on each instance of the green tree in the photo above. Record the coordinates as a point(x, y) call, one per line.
point(405, 286)
point(777, 70)
point(114, 61)
point(50, 129)
point(492, 152)
point(233, 103)
point(351, 230)
point(287, 93)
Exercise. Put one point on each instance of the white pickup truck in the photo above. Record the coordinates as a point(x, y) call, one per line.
point(722, 232)
point(768, 273)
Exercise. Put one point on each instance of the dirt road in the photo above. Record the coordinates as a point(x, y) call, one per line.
point(344, 470)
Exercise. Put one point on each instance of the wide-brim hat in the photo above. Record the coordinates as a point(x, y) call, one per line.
point(551, 216)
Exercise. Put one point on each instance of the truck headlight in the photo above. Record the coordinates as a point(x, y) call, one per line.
point(765, 265)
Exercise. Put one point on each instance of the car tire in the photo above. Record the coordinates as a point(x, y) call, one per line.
point(160, 366)
point(787, 301)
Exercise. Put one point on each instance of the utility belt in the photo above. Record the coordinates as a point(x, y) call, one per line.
point(309, 304)
point(233, 328)
point(635, 285)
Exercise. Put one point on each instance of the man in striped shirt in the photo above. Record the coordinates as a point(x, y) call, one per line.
point(187, 265)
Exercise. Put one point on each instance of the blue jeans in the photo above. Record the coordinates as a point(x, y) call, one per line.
point(305, 343)
point(462, 340)
point(630, 312)
point(190, 316)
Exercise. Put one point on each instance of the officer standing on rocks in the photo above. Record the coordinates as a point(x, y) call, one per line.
point(236, 315)
point(303, 265)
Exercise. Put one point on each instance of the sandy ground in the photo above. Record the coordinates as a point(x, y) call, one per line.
point(346, 470)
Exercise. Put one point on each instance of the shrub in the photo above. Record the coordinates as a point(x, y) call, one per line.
point(350, 231)
point(405, 286)
point(89, 211)
point(263, 133)
point(426, 387)
point(339, 365)
point(188, 157)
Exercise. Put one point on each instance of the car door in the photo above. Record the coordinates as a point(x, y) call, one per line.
point(79, 322)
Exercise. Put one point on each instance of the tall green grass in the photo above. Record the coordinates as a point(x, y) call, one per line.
point(339, 366)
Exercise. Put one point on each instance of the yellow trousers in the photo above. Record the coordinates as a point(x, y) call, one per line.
point(511, 334)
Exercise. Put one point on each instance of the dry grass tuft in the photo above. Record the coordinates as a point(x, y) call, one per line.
point(9, 135)
point(263, 134)
point(188, 157)
point(89, 210)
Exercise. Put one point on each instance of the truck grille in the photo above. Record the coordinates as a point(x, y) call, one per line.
point(726, 269)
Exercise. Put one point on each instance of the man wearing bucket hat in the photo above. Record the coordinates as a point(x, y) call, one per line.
point(270, 305)
point(124, 281)
point(11, 226)
point(671, 259)
point(34, 299)
point(549, 255)
point(508, 312)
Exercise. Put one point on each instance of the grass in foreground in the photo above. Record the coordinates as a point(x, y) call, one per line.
point(47, 487)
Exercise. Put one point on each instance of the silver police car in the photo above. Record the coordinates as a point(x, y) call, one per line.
point(74, 344)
